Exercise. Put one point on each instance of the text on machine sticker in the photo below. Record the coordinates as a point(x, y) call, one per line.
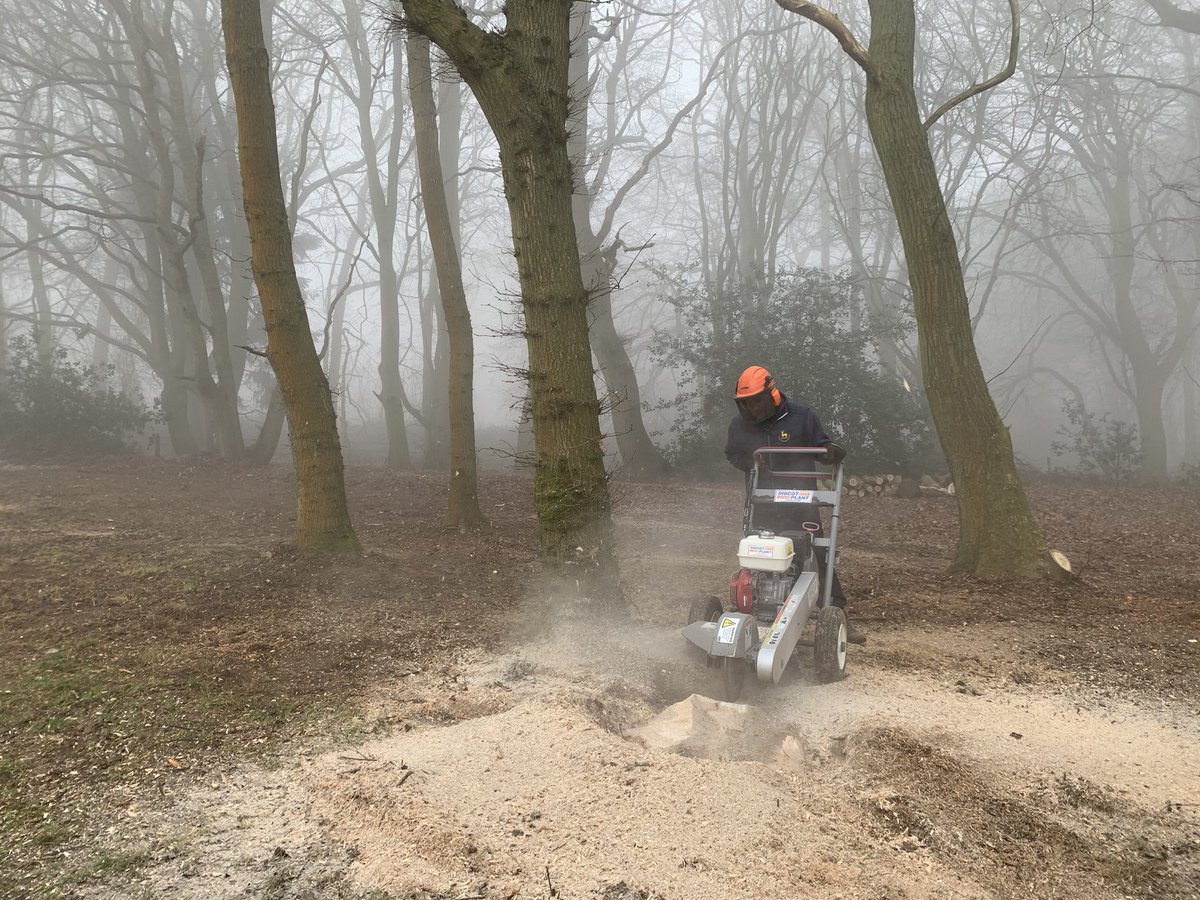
point(790, 495)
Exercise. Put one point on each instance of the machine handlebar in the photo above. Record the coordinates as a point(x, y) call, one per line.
point(763, 454)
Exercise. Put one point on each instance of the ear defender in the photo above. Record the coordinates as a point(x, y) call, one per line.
point(769, 385)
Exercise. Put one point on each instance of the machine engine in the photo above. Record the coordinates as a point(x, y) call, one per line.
point(770, 566)
point(771, 591)
point(761, 594)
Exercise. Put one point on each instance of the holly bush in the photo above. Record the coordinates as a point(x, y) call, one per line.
point(813, 332)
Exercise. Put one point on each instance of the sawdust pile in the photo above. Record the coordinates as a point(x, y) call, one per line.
point(545, 800)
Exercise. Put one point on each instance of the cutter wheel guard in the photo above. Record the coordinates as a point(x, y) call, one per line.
point(779, 587)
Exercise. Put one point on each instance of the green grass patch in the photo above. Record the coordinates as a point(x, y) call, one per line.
point(87, 717)
point(143, 570)
point(108, 864)
point(58, 691)
point(23, 814)
point(71, 715)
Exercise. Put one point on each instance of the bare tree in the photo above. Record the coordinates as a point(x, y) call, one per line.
point(1188, 21)
point(600, 195)
point(121, 136)
point(751, 147)
point(322, 516)
point(463, 510)
point(435, 341)
point(861, 216)
point(997, 531)
point(751, 208)
point(1114, 218)
point(519, 75)
point(383, 152)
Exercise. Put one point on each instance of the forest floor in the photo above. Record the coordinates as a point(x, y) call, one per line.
point(190, 709)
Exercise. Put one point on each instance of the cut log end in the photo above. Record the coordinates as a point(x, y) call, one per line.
point(1060, 560)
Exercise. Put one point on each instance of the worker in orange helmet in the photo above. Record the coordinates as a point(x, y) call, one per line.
point(767, 418)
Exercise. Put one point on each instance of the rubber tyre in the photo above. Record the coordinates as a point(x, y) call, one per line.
point(830, 645)
point(733, 677)
point(704, 609)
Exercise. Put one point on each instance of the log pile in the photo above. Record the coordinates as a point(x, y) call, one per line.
point(896, 485)
point(866, 485)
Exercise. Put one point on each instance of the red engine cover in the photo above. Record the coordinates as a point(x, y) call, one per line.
point(741, 590)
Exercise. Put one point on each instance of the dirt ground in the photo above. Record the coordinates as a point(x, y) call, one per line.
point(193, 710)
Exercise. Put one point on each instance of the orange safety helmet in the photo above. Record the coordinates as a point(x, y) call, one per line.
point(755, 387)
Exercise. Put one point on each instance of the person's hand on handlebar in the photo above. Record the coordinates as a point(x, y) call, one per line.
point(834, 454)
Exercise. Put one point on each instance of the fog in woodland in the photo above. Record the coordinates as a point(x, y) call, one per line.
point(719, 150)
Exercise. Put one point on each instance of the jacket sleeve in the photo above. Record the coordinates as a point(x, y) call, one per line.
point(737, 451)
point(815, 432)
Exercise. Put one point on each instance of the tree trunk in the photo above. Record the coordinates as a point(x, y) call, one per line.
point(463, 507)
point(1191, 420)
point(1146, 365)
point(520, 80)
point(174, 402)
point(263, 449)
point(997, 531)
point(391, 390)
point(435, 375)
point(435, 385)
point(1152, 428)
point(382, 187)
point(640, 459)
point(39, 295)
point(5, 323)
point(322, 516)
point(222, 386)
point(570, 484)
point(524, 452)
point(100, 346)
point(168, 132)
point(225, 382)
point(212, 421)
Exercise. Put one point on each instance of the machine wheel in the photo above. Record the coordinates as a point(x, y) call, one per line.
point(704, 609)
point(733, 677)
point(830, 644)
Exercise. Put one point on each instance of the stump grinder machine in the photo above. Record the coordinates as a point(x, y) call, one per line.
point(779, 586)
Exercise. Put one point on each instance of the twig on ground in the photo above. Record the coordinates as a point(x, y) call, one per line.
point(361, 757)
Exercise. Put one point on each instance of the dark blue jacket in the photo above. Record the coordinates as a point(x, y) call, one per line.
point(795, 425)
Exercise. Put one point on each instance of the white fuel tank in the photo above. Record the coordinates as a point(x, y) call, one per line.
point(766, 552)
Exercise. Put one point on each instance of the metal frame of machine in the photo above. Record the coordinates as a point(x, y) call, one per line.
point(778, 588)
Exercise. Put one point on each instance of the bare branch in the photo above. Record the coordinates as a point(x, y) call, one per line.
point(663, 144)
point(64, 321)
point(22, 247)
point(1019, 352)
point(446, 24)
point(996, 79)
point(74, 207)
point(337, 299)
point(837, 28)
point(1171, 15)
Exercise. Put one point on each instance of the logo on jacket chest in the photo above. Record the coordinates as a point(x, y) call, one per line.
point(784, 437)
